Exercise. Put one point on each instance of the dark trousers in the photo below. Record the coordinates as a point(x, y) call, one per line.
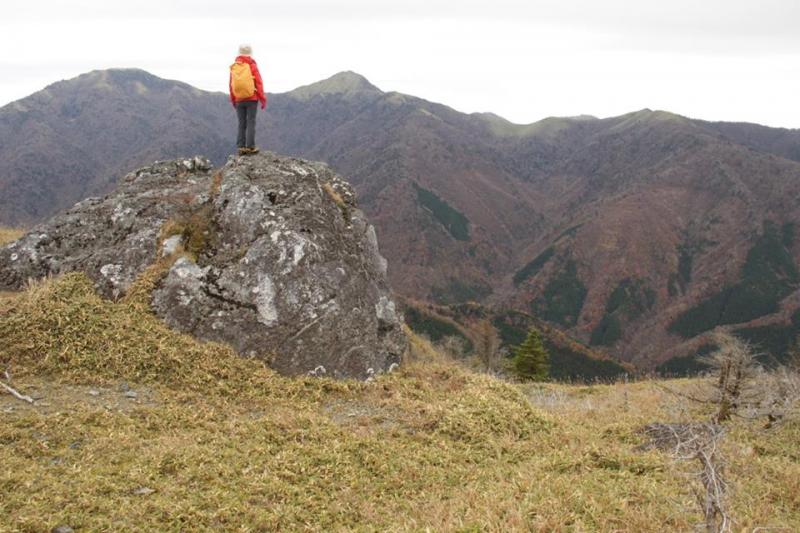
point(246, 111)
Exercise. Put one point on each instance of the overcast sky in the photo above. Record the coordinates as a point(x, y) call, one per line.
point(735, 60)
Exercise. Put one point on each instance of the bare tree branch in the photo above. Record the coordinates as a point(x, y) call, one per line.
point(699, 441)
point(16, 394)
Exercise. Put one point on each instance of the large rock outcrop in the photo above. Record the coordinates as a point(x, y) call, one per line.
point(280, 263)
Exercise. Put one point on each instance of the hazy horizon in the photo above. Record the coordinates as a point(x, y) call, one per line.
point(736, 61)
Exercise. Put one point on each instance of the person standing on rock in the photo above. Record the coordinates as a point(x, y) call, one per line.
point(247, 91)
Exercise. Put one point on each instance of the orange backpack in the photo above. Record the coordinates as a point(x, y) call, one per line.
point(242, 83)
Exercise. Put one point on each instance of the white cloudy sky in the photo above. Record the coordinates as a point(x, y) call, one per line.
point(736, 60)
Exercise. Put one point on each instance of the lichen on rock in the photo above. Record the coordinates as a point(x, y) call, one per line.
point(274, 268)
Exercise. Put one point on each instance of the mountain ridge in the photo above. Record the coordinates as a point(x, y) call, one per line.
point(466, 201)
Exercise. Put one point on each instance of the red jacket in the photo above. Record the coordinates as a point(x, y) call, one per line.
point(260, 96)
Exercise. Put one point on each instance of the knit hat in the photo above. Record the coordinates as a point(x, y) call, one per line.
point(245, 50)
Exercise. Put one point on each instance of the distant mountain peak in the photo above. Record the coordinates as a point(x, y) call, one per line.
point(651, 118)
point(654, 115)
point(128, 81)
point(118, 75)
point(345, 83)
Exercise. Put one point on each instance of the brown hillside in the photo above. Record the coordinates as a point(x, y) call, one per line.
point(629, 233)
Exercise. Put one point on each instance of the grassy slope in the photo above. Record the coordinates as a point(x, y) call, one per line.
point(225, 443)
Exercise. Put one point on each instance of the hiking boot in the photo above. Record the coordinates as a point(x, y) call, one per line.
point(252, 150)
point(244, 151)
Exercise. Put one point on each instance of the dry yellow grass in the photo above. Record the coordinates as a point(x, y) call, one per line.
point(214, 441)
point(338, 200)
point(10, 234)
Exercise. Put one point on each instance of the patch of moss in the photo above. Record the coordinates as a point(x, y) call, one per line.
point(768, 275)
point(563, 297)
point(453, 220)
point(533, 268)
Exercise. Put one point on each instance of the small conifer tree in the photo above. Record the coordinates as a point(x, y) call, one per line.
point(531, 360)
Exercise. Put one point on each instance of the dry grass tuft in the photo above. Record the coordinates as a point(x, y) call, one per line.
point(422, 350)
point(195, 228)
point(338, 200)
point(335, 196)
point(63, 328)
point(10, 234)
point(216, 184)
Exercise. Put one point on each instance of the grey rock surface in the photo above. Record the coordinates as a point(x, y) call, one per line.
point(114, 238)
point(284, 266)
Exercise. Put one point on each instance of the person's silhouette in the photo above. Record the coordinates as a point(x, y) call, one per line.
point(246, 90)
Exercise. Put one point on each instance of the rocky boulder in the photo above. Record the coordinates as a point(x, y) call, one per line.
point(273, 257)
